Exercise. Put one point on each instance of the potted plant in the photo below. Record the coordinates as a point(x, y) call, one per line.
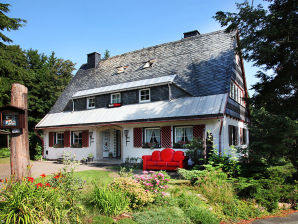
point(110, 155)
point(90, 157)
point(83, 160)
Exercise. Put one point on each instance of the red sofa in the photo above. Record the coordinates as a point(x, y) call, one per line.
point(167, 159)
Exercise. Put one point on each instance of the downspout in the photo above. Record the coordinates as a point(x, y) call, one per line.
point(72, 104)
point(170, 92)
point(219, 136)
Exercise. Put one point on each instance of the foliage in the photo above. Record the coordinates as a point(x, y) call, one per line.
point(4, 152)
point(198, 214)
point(108, 201)
point(38, 152)
point(124, 172)
point(161, 215)
point(195, 150)
point(155, 182)
point(133, 190)
point(270, 188)
point(31, 201)
point(106, 54)
point(133, 163)
point(7, 23)
point(126, 221)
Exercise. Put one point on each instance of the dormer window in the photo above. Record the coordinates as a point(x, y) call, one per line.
point(90, 103)
point(115, 98)
point(149, 64)
point(144, 95)
point(121, 69)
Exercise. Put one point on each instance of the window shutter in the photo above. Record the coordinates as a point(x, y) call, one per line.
point(198, 131)
point(137, 137)
point(230, 134)
point(67, 139)
point(51, 139)
point(85, 138)
point(166, 137)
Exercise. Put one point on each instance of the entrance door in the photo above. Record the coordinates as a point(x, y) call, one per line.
point(106, 143)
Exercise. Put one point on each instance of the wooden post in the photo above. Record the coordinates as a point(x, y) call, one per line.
point(19, 145)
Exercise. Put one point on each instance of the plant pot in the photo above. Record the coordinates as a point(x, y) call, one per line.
point(90, 159)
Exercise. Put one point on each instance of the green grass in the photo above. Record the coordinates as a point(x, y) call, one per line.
point(4, 152)
point(99, 177)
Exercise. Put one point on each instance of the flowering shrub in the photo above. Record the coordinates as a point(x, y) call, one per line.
point(32, 201)
point(155, 182)
point(133, 190)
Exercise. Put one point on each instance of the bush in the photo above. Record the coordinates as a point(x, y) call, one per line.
point(31, 202)
point(137, 195)
point(126, 221)
point(200, 215)
point(109, 202)
point(167, 215)
point(4, 152)
point(155, 182)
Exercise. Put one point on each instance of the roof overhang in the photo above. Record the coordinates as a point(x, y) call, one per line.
point(125, 86)
point(181, 108)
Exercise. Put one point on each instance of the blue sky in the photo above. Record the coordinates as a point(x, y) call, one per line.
point(74, 28)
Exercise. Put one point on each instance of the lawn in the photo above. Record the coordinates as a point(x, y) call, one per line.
point(4, 152)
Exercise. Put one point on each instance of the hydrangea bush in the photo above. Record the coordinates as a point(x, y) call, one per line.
point(155, 182)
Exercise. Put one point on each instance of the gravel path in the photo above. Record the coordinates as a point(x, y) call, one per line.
point(46, 167)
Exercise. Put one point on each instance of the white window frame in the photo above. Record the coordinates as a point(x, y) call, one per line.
point(78, 139)
point(148, 140)
point(116, 94)
point(88, 101)
point(175, 137)
point(57, 139)
point(144, 101)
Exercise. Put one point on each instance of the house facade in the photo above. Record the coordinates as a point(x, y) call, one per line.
point(162, 96)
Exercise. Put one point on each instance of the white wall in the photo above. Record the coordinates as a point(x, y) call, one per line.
point(79, 153)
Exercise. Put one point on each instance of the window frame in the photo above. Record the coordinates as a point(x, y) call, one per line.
point(235, 138)
point(79, 138)
point(88, 101)
point(56, 140)
point(175, 133)
point(144, 101)
point(115, 94)
point(244, 136)
point(145, 136)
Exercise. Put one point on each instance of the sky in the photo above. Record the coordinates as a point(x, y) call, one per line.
point(74, 28)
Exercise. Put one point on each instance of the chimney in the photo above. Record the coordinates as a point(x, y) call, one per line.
point(191, 33)
point(93, 59)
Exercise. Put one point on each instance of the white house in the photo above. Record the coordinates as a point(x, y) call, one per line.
point(156, 97)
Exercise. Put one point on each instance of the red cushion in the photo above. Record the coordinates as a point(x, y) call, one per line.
point(178, 156)
point(156, 156)
point(173, 164)
point(161, 163)
point(151, 163)
point(167, 154)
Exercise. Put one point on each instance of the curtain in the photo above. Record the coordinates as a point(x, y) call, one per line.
point(148, 135)
point(179, 134)
point(188, 134)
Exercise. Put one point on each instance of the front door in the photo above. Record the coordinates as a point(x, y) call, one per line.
point(106, 143)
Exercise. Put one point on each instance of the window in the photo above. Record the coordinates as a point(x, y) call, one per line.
point(236, 93)
point(90, 103)
point(149, 63)
point(144, 95)
point(59, 138)
point(244, 137)
point(183, 135)
point(152, 137)
point(76, 139)
point(121, 69)
point(116, 98)
point(233, 135)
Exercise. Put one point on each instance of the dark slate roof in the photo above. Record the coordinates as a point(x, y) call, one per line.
point(203, 65)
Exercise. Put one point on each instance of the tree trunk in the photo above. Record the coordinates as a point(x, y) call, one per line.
point(19, 146)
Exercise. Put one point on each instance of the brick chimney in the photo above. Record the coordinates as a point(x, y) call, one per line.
point(93, 59)
point(191, 33)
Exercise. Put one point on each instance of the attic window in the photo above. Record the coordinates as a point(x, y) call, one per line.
point(121, 69)
point(149, 63)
